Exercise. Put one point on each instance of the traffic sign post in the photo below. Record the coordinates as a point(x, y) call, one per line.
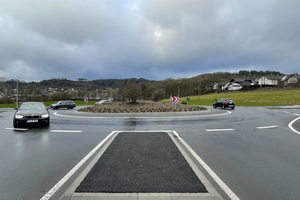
point(119, 96)
point(85, 101)
point(175, 100)
point(187, 100)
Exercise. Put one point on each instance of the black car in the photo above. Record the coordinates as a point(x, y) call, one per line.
point(224, 103)
point(63, 104)
point(31, 113)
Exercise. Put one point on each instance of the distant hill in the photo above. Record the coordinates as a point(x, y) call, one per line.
point(81, 83)
point(90, 85)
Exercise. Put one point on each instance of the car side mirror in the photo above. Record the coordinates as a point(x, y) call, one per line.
point(16, 108)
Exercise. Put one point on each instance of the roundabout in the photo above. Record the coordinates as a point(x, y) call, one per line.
point(238, 145)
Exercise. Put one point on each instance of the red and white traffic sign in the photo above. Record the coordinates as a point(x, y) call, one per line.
point(176, 99)
point(86, 100)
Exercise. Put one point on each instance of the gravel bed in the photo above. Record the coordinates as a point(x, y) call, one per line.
point(143, 107)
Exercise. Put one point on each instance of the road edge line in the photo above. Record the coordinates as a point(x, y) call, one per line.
point(222, 185)
point(143, 117)
point(291, 125)
point(57, 186)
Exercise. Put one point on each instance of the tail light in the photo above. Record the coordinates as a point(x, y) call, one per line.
point(225, 102)
point(75, 104)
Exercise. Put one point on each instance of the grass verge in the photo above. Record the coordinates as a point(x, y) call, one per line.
point(252, 98)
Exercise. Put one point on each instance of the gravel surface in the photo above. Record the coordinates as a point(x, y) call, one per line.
point(141, 107)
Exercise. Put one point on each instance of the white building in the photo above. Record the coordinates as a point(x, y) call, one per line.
point(232, 86)
point(268, 80)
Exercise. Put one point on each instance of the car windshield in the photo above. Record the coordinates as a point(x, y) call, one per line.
point(32, 106)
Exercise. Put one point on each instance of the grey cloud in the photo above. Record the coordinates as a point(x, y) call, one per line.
point(150, 39)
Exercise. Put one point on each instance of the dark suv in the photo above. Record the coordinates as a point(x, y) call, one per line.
point(224, 103)
point(63, 104)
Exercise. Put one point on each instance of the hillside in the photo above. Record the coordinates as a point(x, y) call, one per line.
point(81, 83)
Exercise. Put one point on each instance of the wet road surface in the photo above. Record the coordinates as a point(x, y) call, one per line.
point(253, 150)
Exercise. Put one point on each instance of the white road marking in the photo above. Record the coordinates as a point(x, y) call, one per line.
point(18, 129)
point(223, 186)
point(65, 131)
point(285, 112)
point(219, 130)
point(262, 108)
point(296, 114)
point(265, 127)
point(56, 187)
point(291, 125)
point(146, 117)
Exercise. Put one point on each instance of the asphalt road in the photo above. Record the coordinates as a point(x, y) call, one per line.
point(253, 150)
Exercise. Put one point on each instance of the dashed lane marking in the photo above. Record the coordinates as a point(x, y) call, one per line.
point(65, 131)
point(216, 130)
point(296, 114)
point(265, 127)
point(18, 129)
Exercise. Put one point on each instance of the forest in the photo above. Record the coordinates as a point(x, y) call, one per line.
point(62, 88)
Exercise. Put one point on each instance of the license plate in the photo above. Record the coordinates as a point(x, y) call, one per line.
point(230, 106)
point(32, 121)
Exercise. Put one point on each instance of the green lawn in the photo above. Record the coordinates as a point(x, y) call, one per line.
point(252, 98)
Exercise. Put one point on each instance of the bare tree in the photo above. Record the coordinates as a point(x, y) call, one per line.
point(158, 94)
point(133, 90)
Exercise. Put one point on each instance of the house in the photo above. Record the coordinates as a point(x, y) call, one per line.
point(237, 84)
point(292, 78)
point(242, 82)
point(232, 86)
point(268, 80)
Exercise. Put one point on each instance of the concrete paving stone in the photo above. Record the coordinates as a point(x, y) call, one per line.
point(156, 196)
point(191, 196)
point(106, 196)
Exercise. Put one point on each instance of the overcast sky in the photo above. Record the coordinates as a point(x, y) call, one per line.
point(152, 39)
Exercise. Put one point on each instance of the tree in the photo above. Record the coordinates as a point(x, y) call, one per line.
point(133, 90)
point(158, 94)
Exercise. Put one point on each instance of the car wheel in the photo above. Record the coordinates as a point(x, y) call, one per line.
point(232, 108)
point(223, 106)
point(71, 107)
point(56, 108)
point(214, 106)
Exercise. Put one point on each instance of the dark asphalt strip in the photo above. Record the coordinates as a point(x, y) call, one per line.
point(141, 162)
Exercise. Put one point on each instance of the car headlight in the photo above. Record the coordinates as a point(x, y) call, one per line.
point(45, 115)
point(18, 116)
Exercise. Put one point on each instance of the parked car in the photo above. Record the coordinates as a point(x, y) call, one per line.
point(102, 102)
point(63, 104)
point(31, 113)
point(224, 103)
